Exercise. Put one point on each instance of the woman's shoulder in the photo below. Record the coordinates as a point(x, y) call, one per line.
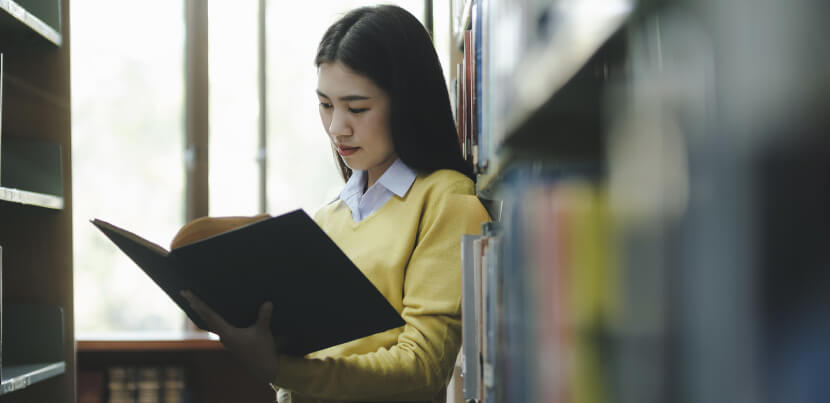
point(446, 180)
point(329, 209)
point(449, 193)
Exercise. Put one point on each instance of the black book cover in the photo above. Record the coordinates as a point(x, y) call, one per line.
point(320, 297)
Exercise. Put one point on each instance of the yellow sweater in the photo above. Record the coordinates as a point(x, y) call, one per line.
point(410, 250)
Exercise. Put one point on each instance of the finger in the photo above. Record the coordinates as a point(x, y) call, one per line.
point(215, 322)
point(264, 315)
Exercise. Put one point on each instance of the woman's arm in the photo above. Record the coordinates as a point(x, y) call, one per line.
point(418, 366)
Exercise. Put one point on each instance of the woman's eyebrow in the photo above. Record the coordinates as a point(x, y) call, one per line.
point(345, 97)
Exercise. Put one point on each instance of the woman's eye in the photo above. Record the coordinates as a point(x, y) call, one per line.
point(325, 105)
point(358, 110)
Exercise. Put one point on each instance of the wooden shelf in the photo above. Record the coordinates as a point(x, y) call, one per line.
point(487, 183)
point(31, 198)
point(137, 342)
point(547, 70)
point(14, 17)
point(20, 376)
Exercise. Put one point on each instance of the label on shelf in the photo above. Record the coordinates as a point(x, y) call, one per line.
point(16, 383)
point(32, 21)
point(42, 28)
point(20, 382)
point(31, 198)
point(488, 375)
point(16, 10)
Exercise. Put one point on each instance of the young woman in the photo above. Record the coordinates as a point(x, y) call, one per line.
point(407, 201)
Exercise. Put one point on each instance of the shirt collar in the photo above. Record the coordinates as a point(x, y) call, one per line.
point(398, 178)
point(354, 186)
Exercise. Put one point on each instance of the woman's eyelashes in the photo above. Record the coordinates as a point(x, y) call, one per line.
point(327, 106)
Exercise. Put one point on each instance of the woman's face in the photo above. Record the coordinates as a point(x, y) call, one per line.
point(355, 114)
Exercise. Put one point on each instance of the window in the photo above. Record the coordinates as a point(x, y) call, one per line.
point(234, 107)
point(127, 131)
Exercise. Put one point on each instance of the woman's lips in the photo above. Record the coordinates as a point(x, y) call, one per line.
point(346, 151)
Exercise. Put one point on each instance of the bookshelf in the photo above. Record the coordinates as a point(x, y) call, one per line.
point(202, 368)
point(36, 331)
point(658, 238)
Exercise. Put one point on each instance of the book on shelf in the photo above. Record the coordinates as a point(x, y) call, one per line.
point(469, 94)
point(129, 384)
point(320, 297)
point(470, 112)
point(492, 318)
point(470, 306)
point(91, 386)
point(1, 112)
point(475, 82)
point(459, 106)
point(479, 250)
point(555, 295)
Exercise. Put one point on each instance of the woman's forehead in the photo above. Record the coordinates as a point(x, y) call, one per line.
point(336, 80)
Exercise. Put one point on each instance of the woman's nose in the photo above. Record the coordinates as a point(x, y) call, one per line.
point(339, 125)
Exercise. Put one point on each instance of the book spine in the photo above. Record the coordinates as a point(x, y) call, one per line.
point(121, 384)
point(470, 369)
point(1, 115)
point(148, 385)
point(459, 103)
point(2, 353)
point(476, 82)
point(91, 386)
point(493, 321)
point(468, 94)
point(174, 388)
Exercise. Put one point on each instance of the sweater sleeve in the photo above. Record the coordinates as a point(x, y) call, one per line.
point(418, 366)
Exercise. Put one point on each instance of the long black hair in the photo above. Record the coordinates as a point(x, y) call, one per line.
point(389, 46)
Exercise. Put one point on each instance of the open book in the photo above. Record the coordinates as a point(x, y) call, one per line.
point(320, 297)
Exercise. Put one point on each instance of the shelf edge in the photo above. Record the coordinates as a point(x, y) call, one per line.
point(31, 198)
point(31, 21)
point(541, 82)
point(29, 377)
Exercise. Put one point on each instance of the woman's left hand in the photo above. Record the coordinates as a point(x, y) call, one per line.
point(254, 345)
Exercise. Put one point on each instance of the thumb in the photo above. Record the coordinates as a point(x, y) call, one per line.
point(264, 315)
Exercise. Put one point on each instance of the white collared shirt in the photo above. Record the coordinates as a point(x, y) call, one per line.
point(396, 181)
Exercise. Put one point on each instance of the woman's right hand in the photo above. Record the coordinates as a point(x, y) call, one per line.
point(253, 345)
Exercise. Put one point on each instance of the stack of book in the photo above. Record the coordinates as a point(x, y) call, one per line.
point(133, 384)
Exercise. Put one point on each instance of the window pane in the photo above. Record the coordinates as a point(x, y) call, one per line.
point(301, 168)
point(234, 107)
point(128, 134)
